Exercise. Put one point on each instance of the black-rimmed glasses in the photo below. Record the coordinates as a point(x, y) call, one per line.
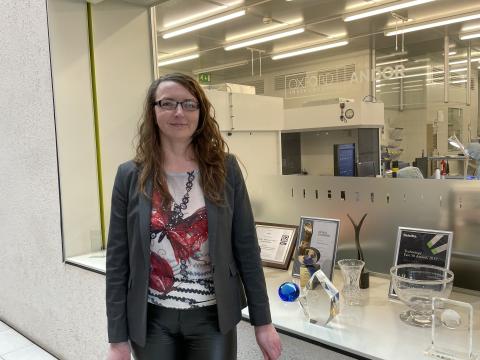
point(187, 105)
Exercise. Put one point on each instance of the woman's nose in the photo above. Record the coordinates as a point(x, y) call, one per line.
point(179, 109)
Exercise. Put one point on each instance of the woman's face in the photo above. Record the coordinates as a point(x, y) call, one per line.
point(175, 124)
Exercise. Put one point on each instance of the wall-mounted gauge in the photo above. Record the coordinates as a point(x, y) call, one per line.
point(349, 113)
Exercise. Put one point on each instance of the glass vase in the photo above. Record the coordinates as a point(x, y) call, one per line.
point(351, 270)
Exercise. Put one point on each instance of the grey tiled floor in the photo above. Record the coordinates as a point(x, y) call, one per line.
point(14, 346)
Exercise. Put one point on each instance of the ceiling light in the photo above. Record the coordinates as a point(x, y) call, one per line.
point(470, 27)
point(421, 60)
point(385, 9)
point(178, 59)
point(388, 56)
point(413, 86)
point(204, 24)
point(202, 14)
point(264, 29)
point(416, 68)
point(452, 53)
point(264, 39)
point(309, 50)
point(220, 67)
point(470, 36)
point(391, 62)
point(432, 24)
point(463, 61)
point(428, 73)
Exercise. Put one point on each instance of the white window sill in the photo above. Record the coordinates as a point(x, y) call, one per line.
point(94, 261)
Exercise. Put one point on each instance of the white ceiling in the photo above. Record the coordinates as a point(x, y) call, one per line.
point(321, 18)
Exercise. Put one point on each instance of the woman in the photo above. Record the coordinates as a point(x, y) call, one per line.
point(182, 243)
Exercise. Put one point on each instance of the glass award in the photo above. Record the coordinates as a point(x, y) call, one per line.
point(320, 299)
point(452, 330)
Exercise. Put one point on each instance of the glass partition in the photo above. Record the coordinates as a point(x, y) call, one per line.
point(386, 95)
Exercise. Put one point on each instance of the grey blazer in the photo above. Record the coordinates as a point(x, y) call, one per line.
point(234, 252)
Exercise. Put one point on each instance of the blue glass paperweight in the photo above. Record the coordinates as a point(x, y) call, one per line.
point(288, 291)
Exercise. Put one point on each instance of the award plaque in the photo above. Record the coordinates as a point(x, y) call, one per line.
point(422, 246)
point(316, 245)
point(452, 330)
point(276, 243)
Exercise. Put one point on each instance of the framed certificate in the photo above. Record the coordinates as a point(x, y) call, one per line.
point(422, 246)
point(276, 243)
point(317, 239)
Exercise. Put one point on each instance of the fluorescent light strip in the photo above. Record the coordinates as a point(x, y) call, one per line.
point(391, 62)
point(178, 59)
point(408, 87)
point(413, 86)
point(264, 39)
point(309, 50)
point(288, 23)
point(220, 67)
point(388, 56)
point(421, 60)
point(416, 67)
point(470, 36)
point(257, 32)
point(470, 27)
point(396, 92)
point(385, 9)
point(463, 61)
point(421, 74)
point(405, 82)
point(204, 24)
point(450, 82)
point(203, 14)
point(433, 24)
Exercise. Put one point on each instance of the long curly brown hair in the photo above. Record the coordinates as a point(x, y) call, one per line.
point(209, 148)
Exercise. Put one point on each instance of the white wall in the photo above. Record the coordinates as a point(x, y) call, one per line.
point(258, 151)
point(60, 307)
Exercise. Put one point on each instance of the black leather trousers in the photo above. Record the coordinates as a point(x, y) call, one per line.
point(185, 335)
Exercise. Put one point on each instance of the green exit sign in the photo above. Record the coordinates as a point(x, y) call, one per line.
point(204, 78)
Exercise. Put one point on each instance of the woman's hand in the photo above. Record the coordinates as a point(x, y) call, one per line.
point(268, 341)
point(119, 351)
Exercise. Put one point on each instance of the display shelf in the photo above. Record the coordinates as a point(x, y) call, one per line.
point(437, 160)
point(373, 331)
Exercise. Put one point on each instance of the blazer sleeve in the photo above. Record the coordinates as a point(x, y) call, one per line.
point(117, 267)
point(247, 251)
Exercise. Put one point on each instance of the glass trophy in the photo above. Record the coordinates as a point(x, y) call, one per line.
point(320, 299)
point(452, 330)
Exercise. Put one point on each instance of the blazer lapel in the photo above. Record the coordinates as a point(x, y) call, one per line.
point(212, 216)
point(145, 211)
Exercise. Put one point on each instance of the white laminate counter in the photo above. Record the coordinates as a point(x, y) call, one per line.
point(373, 330)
